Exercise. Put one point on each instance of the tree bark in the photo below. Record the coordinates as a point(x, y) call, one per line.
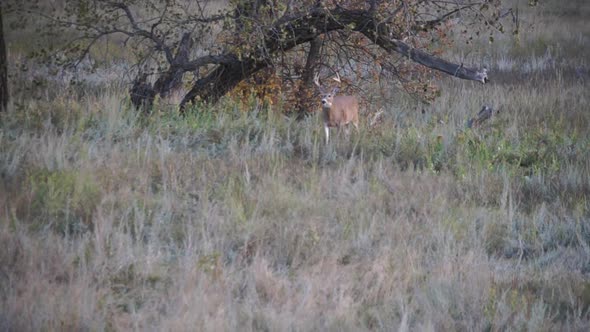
point(378, 35)
point(221, 81)
point(3, 69)
point(143, 93)
point(305, 90)
point(172, 79)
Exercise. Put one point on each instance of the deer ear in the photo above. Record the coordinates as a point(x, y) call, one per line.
point(335, 90)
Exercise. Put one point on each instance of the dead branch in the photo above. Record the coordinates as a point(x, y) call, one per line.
point(484, 114)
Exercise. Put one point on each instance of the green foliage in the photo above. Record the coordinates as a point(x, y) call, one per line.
point(537, 151)
point(62, 200)
point(411, 150)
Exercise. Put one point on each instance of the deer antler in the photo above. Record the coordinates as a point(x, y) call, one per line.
point(337, 78)
point(316, 80)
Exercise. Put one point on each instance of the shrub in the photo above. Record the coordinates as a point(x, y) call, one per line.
point(63, 200)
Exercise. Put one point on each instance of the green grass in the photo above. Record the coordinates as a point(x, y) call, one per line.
point(230, 220)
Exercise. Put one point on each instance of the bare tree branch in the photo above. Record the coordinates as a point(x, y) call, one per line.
point(425, 59)
point(429, 25)
point(141, 32)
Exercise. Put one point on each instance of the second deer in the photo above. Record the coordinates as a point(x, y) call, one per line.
point(337, 111)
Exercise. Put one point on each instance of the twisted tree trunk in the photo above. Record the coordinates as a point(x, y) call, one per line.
point(305, 89)
point(143, 93)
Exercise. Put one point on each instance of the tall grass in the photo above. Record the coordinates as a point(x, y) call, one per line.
point(232, 220)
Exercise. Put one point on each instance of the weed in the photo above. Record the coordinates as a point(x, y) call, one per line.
point(62, 200)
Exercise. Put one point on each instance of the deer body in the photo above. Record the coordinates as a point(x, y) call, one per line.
point(338, 111)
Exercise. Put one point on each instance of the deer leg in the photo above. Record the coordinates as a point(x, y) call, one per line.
point(356, 127)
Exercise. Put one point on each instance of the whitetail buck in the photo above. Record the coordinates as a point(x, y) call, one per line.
point(337, 111)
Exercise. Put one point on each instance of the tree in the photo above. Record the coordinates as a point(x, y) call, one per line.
point(175, 39)
point(3, 69)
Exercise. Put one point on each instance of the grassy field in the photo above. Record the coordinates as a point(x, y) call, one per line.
point(232, 220)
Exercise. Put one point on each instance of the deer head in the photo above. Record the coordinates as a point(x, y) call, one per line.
point(337, 111)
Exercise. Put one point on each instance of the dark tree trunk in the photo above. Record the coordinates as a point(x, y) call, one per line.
point(304, 104)
point(224, 78)
point(172, 79)
point(3, 69)
point(143, 93)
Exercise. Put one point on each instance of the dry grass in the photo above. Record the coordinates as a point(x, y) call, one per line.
point(226, 220)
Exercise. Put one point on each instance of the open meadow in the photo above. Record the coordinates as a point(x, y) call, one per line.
point(233, 219)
